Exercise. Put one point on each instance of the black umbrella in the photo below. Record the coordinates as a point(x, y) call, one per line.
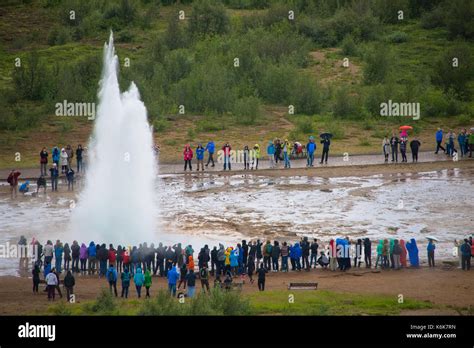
point(325, 135)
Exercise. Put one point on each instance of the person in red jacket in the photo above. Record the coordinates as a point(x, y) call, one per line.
point(126, 259)
point(226, 151)
point(188, 156)
point(13, 181)
point(112, 256)
point(403, 255)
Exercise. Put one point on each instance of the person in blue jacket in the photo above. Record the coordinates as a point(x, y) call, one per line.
point(431, 251)
point(462, 143)
point(111, 276)
point(58, 254)
point(271, 154)
point(55, 153)
point(173, 276)
point(439, 140)
point(413, 253)
point(92, 258)
point(295, 256)
point(310, 149)
point(200, 156)
point(234, 261)
point(210, 148)
point(139, 279)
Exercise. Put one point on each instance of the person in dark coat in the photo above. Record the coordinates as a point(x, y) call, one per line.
point(394, 141)
point(261, 277)
point(415, 146)
point(275, 256)
point(367, 253)
point(69, 283)
point(36, 277)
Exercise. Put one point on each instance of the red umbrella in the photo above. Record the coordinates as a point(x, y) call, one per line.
point(405, 128)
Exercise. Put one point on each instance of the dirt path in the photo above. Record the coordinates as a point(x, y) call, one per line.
point(337, 166)
point(443, 287)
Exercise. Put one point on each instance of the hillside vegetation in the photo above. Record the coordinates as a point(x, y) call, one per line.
point(242, 71)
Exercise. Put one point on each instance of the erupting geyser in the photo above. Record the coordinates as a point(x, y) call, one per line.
point(117, 204)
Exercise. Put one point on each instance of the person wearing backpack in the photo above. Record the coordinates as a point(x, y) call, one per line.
point(191, 282)
point(204, 275)
point(111, 276)
point(139, 279)
point(125, 282)
point(148, 282)
point(173, 276)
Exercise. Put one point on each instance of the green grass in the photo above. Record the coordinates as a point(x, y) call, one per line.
point(322, 302)
point(275, 302)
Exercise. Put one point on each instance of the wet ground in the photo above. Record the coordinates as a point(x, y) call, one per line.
point(209, 208)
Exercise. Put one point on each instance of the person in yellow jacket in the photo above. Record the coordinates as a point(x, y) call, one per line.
point(256, 156)
point(227, 253)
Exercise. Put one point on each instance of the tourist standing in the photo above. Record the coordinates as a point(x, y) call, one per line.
point(261, 277)
point(439, 140)
point(188, 156)
point(64, 161)
point(54, 177)
point(226, 152)
point(43, 160)
point(310, 149)
point(210, 148)
point(415, 146)
point(139, 279)
point(430, 248)
point(147, 282)
point(200, 157)
point(394, 141)
point(69, 283)
point(13, 181)
point(271, 154)
point(125, 277)
point(326, 143)
point(79, 152)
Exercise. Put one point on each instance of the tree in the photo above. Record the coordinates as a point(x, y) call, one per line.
point(208, 18)
point(378, 64)
point(453, 70)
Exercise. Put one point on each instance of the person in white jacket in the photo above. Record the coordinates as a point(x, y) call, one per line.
point(51, 282)
point(64, 160)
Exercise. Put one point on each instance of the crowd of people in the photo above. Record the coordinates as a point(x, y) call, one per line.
point(277, 151)
point(227, 265)
point(399, 143)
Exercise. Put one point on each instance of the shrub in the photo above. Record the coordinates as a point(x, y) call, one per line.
point(208, 124)
point(378, 64)
point(124, 36)
point(305, 126)
point(348, 46)
point(31, 80)
point(277, 83)
point(162, 304)
point(208, 18)
point(160, 125)
point(397, 37)
point(105, 304)
point(344, 104)
point(247, 110)
point(450, 77)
